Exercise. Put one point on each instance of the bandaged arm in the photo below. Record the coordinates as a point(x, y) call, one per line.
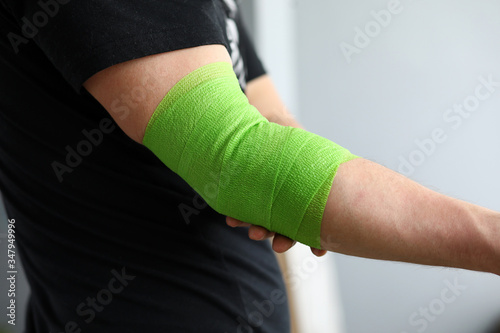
point(367, 210)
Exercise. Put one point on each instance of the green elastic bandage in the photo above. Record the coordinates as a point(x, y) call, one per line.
point(242, 165)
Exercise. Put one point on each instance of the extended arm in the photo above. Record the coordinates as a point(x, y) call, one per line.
point(262, 94)
point(374, 212)
point(370, 212)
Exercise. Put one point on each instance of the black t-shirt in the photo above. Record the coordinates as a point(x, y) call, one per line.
point(111, 239)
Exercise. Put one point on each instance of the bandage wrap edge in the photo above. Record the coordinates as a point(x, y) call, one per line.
point(260, 172)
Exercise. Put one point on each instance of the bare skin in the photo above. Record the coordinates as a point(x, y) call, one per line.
point(371, 211)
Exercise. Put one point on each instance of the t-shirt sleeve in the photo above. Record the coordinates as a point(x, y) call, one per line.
point(81, 38)
point(255, 68)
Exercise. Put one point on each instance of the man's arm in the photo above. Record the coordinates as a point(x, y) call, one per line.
point(161, 72)
point(262, 94)
point(371, 211)
point(374, 212)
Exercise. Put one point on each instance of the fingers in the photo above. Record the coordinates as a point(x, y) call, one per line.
point(235, 223)
point(259, 233)
point(318, 252)
point(282, 243)
point(254, 232)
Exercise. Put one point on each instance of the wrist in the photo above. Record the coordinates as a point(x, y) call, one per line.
point(493, 226)
point(488, 222)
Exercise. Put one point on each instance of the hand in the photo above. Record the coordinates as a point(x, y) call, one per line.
point(281, 243)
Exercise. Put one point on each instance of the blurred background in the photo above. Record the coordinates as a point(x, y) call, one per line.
point(395, 82)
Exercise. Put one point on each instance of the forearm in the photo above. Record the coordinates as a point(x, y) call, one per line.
point(374, 212)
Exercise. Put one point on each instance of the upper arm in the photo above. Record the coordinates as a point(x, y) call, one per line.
point(131, 91)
